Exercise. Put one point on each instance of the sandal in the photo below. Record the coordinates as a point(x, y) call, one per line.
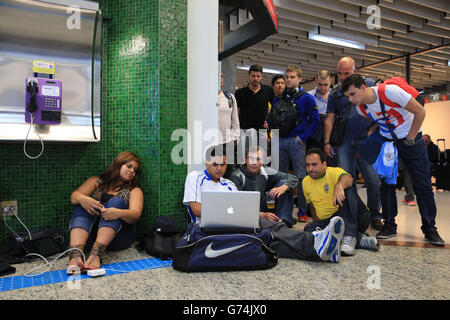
point(77, 255)
point(98, 250)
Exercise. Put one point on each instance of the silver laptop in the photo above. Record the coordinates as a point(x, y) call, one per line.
point(230, 209)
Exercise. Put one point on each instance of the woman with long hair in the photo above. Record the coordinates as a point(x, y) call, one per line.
point(106, 210)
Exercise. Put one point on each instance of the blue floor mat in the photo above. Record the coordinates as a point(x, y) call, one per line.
point(20, 282)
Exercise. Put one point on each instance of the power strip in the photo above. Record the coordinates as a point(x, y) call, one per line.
point(96, 272)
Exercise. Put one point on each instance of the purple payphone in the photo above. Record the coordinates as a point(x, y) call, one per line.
point(43, 100)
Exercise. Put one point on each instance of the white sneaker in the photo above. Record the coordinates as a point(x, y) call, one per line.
point(348, 246)
point(327, 241)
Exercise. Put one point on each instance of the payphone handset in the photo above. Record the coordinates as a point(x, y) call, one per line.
point(43, 101)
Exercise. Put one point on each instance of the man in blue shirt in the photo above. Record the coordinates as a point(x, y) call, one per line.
point(356, 132)
point(320, 94)
point(292, 148)
point(321, 91)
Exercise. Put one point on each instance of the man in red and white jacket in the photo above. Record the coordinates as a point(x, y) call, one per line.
point(405, 116)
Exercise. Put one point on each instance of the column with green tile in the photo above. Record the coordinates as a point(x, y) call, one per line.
point(173, 100)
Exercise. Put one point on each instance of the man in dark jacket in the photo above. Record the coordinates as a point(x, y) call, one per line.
point(254, 176)
point(433, 153)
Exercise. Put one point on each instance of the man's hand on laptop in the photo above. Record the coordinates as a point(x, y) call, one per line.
point(269, 216)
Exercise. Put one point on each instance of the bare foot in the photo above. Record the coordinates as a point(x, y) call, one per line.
point(76, 265)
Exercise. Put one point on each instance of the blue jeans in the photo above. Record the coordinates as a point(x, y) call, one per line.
point(283, 205)
point(355, 214)
point(125, 233)
point(346, 160)
point(415, 159)
point(292, 150)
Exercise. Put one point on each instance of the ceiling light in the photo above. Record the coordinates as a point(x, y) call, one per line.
point(265, 70)
point(336, 41)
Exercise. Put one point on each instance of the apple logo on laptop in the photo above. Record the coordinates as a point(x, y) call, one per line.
point(230, 210)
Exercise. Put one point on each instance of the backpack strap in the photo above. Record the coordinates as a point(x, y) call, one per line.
point(388, 123)
point(298, 94)
point(383, 98)
point(229, 97)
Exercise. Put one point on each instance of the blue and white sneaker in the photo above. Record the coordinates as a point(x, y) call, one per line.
point(327, 242)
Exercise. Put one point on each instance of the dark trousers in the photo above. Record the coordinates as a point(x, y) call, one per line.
point(415, 158)
point(347, 160)
point(354, 212)
point(290, 243)
point(283, 205)
point(404, 180)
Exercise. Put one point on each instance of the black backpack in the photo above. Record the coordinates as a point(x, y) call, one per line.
point(283, 114)
point(162, 239)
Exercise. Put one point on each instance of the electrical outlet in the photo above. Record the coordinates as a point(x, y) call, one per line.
point(8, 207)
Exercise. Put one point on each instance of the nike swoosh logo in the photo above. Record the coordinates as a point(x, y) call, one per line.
point(211, 253)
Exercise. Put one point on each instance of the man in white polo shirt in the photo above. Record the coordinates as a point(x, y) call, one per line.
point(405, 116)
point(210, 179)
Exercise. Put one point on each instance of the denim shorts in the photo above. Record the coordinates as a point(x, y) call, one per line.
point(125, 234)
point(84, 220)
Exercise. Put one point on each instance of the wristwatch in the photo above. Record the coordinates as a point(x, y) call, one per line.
point(409, 142)
point(325, 143)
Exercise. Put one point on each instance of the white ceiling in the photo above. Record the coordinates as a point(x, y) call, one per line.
point(407, 26)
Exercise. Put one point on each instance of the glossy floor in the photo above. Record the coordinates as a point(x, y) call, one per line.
point(409, 222)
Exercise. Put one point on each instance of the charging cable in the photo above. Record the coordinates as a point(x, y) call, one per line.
point(126, 271)
point(18, 237)
point(47, 263)
point(26, 139)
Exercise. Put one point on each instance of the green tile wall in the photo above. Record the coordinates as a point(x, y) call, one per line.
point(144, 99)
point(173, 99)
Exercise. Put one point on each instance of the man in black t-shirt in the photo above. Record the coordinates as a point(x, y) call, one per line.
point(253, 100)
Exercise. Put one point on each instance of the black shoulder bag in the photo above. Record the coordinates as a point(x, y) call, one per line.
point(337, 134)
